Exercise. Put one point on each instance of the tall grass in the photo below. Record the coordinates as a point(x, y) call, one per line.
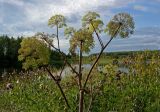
point(137, 91)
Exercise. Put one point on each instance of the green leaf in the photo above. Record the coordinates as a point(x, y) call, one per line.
point(33, 53)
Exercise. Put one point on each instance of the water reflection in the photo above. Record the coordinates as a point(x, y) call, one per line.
point(87, 67)
point(5, 72)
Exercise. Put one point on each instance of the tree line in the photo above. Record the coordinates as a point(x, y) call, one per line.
point(9, 51)
point(9, 47)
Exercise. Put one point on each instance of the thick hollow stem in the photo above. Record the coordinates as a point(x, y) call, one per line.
point(58, 38)
point(64, 58)
point(81, 93)
point(115, 33)
point(81, 99)
point(95, 63)
point(59, 86)
point(80, 65)
point(62, 69)
point(100, 41)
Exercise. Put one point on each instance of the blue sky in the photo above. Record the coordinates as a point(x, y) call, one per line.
point(26, 17)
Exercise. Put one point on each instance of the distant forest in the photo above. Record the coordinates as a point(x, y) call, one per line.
point(9, 47)
point(122, 53)
point(9, 51)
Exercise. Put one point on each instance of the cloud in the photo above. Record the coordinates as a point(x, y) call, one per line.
point(153, 30)
point(157, 0)
point(13, 2)
point(140, 8)
point(143, 39)
point(132, 48)
point(138, 41)
point(64, 45)
point(43, 11)
point(26, 17)
point(1, 19)
point(33, 13)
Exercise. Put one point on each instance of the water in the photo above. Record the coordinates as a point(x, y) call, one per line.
point(124, 69)
point(67, 70)
point(87, 67)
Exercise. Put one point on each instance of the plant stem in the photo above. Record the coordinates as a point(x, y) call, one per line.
point(80, 66)
point(96, 62)
point(65, 58)
point(100, 41)
point(81, 98)
point(62, 69)
point(58, 38)
point(115, 33)
point(59, 86)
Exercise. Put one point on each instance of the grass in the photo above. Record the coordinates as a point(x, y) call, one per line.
point(133, 92)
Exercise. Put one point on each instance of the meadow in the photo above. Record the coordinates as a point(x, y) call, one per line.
point(109, 89)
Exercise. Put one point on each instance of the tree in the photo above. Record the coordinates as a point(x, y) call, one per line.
point(4, 47)
point(34, 53)
point(9, 52)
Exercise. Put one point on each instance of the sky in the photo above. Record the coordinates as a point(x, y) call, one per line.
point(26, 17)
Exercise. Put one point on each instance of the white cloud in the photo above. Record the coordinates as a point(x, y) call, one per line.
point(1, 13)
point(157, 0)
point(1, 19)
point(42, 11)
point(64, 43)
point(36, 13)
point(27, 33)
point(140, 8)
point(13, 2)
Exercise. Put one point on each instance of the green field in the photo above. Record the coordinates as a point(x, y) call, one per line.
point(133, 92)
